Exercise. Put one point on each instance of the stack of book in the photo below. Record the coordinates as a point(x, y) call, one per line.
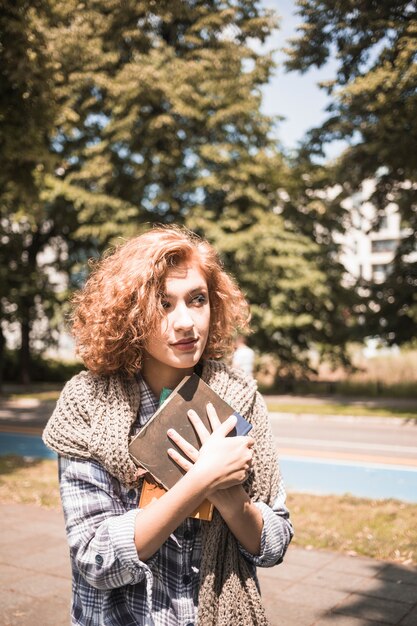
point(148, 448)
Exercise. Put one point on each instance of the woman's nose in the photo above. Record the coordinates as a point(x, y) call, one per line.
point(182, 318)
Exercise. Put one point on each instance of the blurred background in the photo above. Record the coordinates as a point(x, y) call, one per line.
point(117, 115)
point(283, 132)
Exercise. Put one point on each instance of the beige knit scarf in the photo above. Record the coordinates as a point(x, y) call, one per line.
point(93, 420)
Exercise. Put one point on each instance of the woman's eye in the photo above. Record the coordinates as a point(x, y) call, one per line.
point(200, 299)
point(165, 304)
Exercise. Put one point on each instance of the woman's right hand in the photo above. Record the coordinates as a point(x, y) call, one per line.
point(222, 461)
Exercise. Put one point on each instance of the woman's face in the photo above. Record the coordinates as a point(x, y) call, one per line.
point(178, 346)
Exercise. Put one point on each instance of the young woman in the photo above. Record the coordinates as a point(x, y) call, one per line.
point(157, 309)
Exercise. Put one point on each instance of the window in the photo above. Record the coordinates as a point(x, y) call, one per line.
point(384, 245)
point(380, 271)
point(382, 223)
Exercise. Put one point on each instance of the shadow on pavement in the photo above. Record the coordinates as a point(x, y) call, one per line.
point(320, 588)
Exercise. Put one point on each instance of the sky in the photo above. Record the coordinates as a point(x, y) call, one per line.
point(293, 95)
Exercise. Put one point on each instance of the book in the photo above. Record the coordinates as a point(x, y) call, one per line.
point(149, 447)
point(151, 491)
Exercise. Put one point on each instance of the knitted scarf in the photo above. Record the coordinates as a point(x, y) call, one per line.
point(93, 420)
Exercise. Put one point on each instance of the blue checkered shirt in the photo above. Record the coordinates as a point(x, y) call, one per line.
point(111, 585)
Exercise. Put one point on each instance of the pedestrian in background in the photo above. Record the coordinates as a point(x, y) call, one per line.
point(243, 356)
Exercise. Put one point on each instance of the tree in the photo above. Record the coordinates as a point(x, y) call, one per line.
point(188, 142)
point(168, 103)
point(292, 304)
point(39, 213)
point(151, 114)
point(374, 108)
point(111, 114)
point(27, 112)
point(285, 260)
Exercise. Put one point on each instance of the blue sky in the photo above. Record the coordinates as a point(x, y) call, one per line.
point(293, 95)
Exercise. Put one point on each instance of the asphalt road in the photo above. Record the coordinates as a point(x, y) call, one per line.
point(382, 440)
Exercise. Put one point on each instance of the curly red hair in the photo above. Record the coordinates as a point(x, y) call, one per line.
point(119, 308)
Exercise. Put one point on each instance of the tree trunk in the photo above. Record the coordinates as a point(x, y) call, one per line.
point(2, 356)
point(24, 354)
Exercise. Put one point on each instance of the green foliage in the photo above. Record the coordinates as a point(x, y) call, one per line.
point(292, 303)
point(42, 370)
point(374, 109)
point(142, 112)
point(156, 99)
point(115, 115)
point(37, 220)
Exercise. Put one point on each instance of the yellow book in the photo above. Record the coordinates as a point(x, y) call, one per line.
point(152, 491)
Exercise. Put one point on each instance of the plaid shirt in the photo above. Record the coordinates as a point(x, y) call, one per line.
point(111, 585)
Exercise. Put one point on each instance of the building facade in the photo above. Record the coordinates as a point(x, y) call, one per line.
point(369, 245)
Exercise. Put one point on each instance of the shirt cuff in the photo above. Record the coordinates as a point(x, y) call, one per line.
point(272, 539)
point(121, 529)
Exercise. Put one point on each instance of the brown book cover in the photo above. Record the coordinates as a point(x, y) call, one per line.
point(149, 447)
point(152, 491)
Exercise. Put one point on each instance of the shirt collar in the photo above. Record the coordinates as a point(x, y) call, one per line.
point(148, 401)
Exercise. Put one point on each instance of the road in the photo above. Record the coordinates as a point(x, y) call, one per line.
point(379, 440)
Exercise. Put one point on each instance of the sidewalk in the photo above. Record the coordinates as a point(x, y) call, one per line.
point(311, 588)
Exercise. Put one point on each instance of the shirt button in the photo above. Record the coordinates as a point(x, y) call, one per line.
point(186, 579)
point(99, 560)
point(131, 494)
point(188, 535)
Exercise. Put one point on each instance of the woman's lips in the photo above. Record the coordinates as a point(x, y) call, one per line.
point(185, 345)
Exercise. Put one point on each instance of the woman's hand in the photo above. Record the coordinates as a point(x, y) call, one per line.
point(221, 466)
point(222, 461)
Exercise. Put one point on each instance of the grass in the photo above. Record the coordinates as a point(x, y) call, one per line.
point(333, 408)
point(374, 389)
point(383, 529)
point(29, 481)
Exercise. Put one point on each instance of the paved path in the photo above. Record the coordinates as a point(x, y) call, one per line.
point(25, 414)
point(311, 588)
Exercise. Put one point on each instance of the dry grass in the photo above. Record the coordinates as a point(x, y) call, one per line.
point(388, 374)
point(384, 529)
point(334, 408)
point(389, 369)
point(29, 481)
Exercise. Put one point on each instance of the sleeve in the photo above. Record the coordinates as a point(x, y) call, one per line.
point(100, 530)
point(277, 532)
